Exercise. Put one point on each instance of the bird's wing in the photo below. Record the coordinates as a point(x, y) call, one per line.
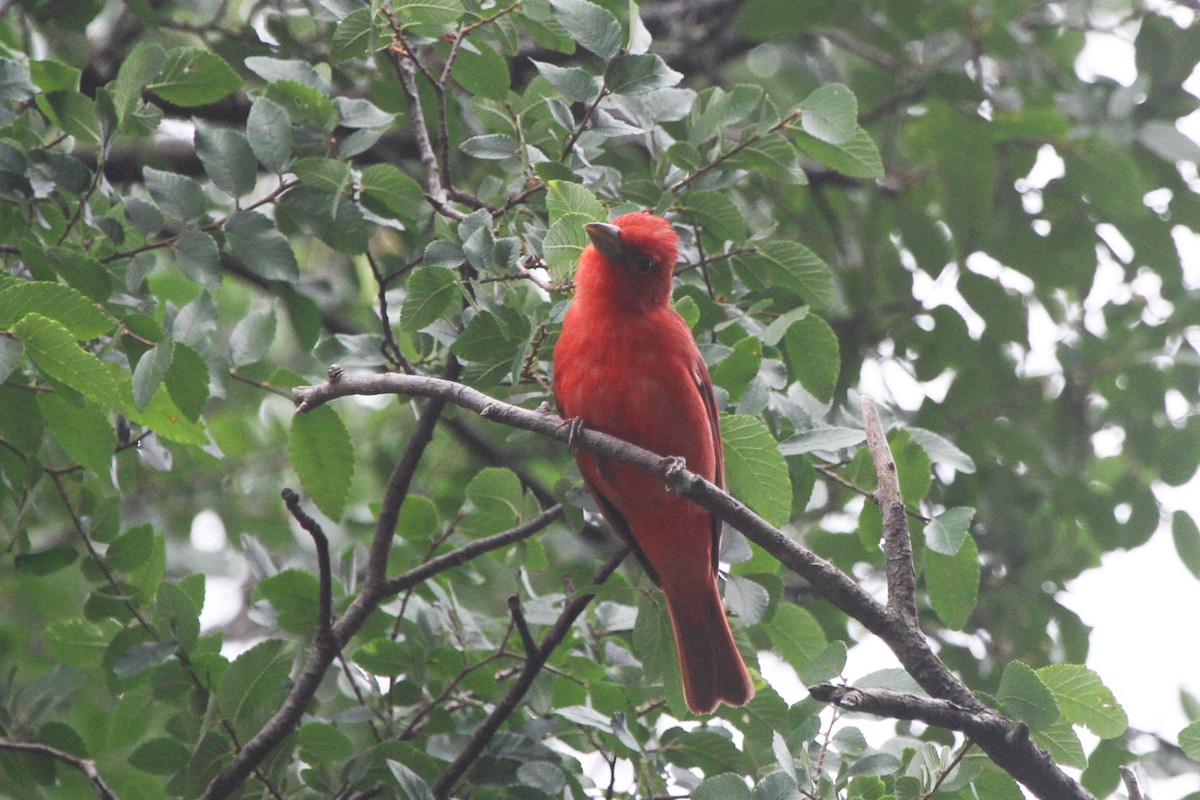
point(705, 387)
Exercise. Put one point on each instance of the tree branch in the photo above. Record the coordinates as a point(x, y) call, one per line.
point(897, 544)
point(533, 666)
point(1011, 750)
point(324, 570)
point(84, 765)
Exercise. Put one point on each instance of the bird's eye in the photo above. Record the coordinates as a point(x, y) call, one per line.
point(644, 264)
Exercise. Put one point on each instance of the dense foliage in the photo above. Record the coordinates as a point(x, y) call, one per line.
point(204, 205)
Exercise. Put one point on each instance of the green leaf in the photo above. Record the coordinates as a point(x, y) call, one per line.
point(143, 656)
point(948, 530)
point(496, 498)
point(187, 381)
point(796, 268)
point(735, 371)
point(714, 212)
point(131, 549)
point(828, 664)
point(80, 315)
point(430, 290)
point(12, 355)
point(323, 174)
point(321, 743)
point(228, 160)
point(269, 134)
point(74, 113)
point(1189, 740)
point(574, 83)
point(255, 241)
point(565, 199)
point(413, 785)
point(483, 74)
point(953, 583)
point(1084, 699)
point(822, 439)
point(746, 598)
point(590, 25)
point(353, 36)
point(252, 336)
point(728, 786)
point(53, 76)
point(638, 74)
point(53, 349)
point(418, 518)
point(150, 371)
point(754, 469)
point(79, 643)
point(429, 13)
point(81, 271)
point(710, 751)
point(1023, 695)
point(15, 84)
point(813, 356)
point(1183, 531)
point(295, 595)
point(160, 756)
point(382, 656)
point(141, 65)
point(85, 432)
point(197, 255)
point(45, 562)
point(323, 457)
point(178, 196)
point(913, 467)
point(390, 193)
point(1063, 744)
point(491, 147)
point(856, 158)
point(830, 114)
point(254, 683)
point(306, 107)
point(193, 76)
point(715, 109)
point(163, 417)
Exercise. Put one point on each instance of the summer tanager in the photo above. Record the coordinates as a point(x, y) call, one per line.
point(626, 365)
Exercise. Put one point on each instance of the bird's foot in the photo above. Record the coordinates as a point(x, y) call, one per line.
point(575, 428)
point(671, 467)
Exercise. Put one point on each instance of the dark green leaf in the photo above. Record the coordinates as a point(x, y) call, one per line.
point(754, 469)
point(638, 74)
point(714, 212)
point(295, 595)
point(496, 497)
point(193, 76)
point(575, 83)
point(227, 159)
point(82, 317)
point(813, 356)
point(269, 134)
point(491, 146)
point(53, 349)
point(948, 530)
point(1084, 699)
point(84, 431)
point(160, 756)
point(729, 786)
point(75, 114)
point(320, 743)
point(254, 683)
point(197, 255)
point(590, 25)
point(390, 193)
point(151, 370)
point(856, 158)
point(141, 65)
point(483, 74)
point(256, 242)
point(1026, 698)
point(178, 196)
point(45, 562)
point(323, 457)
point(187, 381)
point(953, 583)
point(430, 290)
point(1184, 533)
point(15, 84)
point(354, 36)
point(252, 336)
point(306, 107)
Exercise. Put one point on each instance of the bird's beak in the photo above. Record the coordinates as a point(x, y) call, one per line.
point(607, 238)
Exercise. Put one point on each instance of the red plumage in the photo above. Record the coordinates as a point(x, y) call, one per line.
point(626, 365)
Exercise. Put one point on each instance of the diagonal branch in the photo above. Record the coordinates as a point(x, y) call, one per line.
point(1015, 753)
point(897, 543)
point(84, 765)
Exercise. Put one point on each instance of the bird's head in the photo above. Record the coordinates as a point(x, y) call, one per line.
point(640, 242)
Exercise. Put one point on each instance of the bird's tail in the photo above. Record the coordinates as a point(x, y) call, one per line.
point(713, 670)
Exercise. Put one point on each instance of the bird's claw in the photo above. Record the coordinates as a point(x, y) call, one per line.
point(671, 466)
point(575, 428)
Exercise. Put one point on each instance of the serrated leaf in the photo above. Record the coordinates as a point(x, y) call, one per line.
point(1063, 744)
point(430, 290)
point(913, 467)
point(496, 497)
point(483, 74)
point(728, 786)
point(84, 432)
point(143, 656)
point(632, 74)
point(575, 83)
point(141, 65)
point(432, 13)
point(714, 212)
point(754, 469)
point(736, 370)
point(251, 338)
point(382, 656)
point(953, 583)
point(813, 356)
point(179, 196)
point(590, 25)
point(160, 756)
point(946, 532)
point(295, 595)
point(254, 683)
point(413, 785)
point(197, 255)
point(323, 174)
point(828, 664)
point(857, 157)
point(163, 417)
point(323, 457)
point(306, 106)
point(193, 76)
point(491, 146)
point(942, 450)
point(830, 114)
point(255, 241)
point(796, 634)
point(321, 743)
point(82, 271)
point(131, 549)
point(227, 159)
point(1189, 740)
point(710, 751)
point(53, 349)
point(822, 439)
point(777, 785)
point(1084, 699)
point(269, 134)
point(793, 266)
point(390, 193)
point(352, 38)
point(75, 113)
point(150, 371)
point(78, 314)
point(746, 598)
point(1026, 698)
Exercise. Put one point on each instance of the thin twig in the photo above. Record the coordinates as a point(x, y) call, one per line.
point(324, 570)
point(518, 618)
point(897, 545)
point(84, 765)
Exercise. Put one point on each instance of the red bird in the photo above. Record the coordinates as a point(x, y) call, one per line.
point(626, 365)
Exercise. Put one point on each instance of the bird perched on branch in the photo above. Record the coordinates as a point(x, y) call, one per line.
point(626, 365)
